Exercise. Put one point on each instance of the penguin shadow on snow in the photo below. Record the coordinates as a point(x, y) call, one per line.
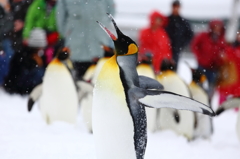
point(120, 96)
point(59, 94)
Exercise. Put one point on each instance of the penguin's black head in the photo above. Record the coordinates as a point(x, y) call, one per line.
point(123, 44)
point(168, 64)
point(198, 76)
point(63, 54)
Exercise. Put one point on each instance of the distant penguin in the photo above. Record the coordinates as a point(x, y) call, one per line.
point(86, 102)
point(145, 68)
point(93, 71)
point(119, 100)
point(180, 121)
point(91, 76)
point(204, 127)
point(108, 52)
point(229, 104)
point(58, 94)
point(86, 111)
point(88, 75)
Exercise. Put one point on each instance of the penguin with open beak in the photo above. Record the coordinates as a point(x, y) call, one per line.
point(119, 100)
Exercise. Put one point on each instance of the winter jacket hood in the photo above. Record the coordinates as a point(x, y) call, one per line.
point(156, 14)
point(214, 23)
point(156, 42)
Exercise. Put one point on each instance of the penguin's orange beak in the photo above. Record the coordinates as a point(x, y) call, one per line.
point(111, 35)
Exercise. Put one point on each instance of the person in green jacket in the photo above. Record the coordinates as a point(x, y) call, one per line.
point(40, 14)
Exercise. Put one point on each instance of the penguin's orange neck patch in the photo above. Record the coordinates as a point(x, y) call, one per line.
point(144, 65)
point(193, 83)
point(132, 49)
point(203, 78)
point(56, 61)
point(164, 74)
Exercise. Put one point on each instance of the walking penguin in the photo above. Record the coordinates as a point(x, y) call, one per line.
point(59, 94)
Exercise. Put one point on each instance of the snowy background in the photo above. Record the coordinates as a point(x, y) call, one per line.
point(25, 135)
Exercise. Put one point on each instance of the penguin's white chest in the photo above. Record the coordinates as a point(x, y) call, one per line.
point(59, 100)
point(113, 128)
point(204, 123)
point(199, 94)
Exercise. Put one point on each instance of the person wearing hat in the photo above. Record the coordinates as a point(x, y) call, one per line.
point(154, 40)
point(209, 50)
point(26, 66)
point(228, 81)
point(179, 31)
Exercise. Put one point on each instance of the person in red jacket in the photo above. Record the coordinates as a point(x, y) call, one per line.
point(229, 74)
point(155, 41)
point(208, 48)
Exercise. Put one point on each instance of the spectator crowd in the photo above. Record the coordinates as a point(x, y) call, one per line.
point(166, 37)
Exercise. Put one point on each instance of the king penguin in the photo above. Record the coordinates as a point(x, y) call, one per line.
point(180, 121)
point(93, 71)
point(230, 104)
point(119, 100)
point(91, 76)
point(59, 94)
point(108, 52)
point(204, 127)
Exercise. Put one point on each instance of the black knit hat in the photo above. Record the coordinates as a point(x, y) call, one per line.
point(176, 3)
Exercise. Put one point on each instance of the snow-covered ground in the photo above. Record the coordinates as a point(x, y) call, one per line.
point(25, 135)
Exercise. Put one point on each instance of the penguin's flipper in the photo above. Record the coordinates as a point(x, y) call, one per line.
point(34, 96)
point(149, 83)
point(164, 99)
point(230, 103)
point(84, 88)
